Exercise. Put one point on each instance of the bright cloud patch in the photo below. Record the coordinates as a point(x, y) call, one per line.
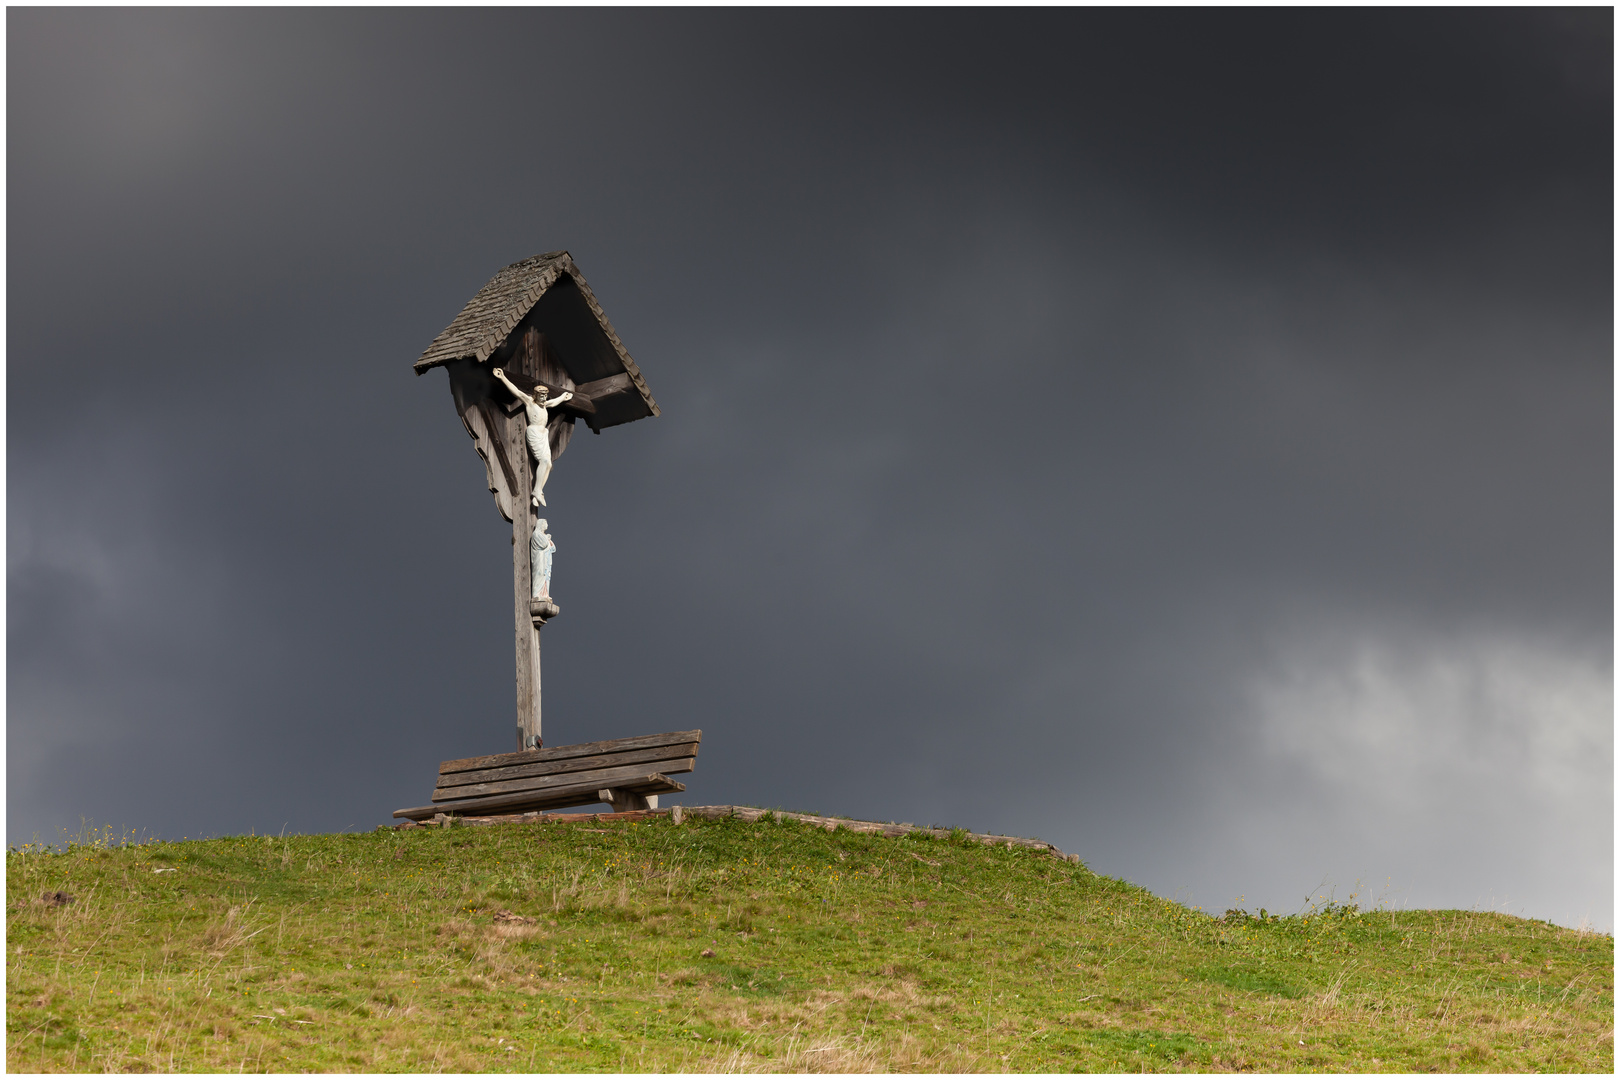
point(1487, 756)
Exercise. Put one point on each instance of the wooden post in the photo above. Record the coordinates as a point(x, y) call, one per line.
point(525, 633)
point(531, 358)
point(538, 611)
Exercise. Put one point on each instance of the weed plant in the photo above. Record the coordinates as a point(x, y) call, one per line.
point(724, 946)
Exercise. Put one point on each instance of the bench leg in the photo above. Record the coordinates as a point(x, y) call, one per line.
point(622, 800)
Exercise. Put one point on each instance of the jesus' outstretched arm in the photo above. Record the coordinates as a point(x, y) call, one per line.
point(510, 385)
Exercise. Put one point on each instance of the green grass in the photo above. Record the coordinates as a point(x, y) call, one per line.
point(829, 951)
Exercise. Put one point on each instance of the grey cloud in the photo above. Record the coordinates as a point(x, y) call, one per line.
point(1055, 406)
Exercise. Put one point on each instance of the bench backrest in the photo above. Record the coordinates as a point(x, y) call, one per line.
point(671, 752)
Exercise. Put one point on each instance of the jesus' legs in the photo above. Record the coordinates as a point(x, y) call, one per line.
point(540, 450)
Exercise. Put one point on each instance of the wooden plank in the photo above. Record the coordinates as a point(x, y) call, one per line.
point(665, 766)
point(600, 388)
point(664, 757)
point(470, 386)
point(577, 404)
point(600, 777)
point(556, 753)
point(652, 784)
point(495, 428)
point(547, 368)
point(622, 397)
point(579, 764)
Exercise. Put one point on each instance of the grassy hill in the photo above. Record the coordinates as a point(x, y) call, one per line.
point(724, 946)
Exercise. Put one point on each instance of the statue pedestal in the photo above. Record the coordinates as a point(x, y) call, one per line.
point(541, 610)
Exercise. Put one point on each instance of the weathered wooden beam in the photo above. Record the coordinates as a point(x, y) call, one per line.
point(472, 389)
point(539, 800)
point(612, 393)
point(568, 765)
point(600, 777)
point(557, 753)
point(584, 406)
point(601, 388)
point(629, 774)
point(526, 636)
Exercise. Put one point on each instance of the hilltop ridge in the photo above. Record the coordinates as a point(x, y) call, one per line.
point(723, 943)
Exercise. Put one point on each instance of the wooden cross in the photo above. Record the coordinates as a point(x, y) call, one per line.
point(537, 321)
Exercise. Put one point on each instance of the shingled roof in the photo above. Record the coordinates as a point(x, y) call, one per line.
point(584, 340)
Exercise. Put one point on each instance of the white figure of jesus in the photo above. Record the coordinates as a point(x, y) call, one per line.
point(541, 548)
point(535, 408)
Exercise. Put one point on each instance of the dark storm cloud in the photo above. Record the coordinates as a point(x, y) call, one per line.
point(1181, 435)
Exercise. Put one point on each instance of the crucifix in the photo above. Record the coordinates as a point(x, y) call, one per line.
point(531, 354)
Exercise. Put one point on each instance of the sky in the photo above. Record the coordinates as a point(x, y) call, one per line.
point(1183, 436)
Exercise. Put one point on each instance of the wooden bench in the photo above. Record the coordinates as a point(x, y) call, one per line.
point(628, 774)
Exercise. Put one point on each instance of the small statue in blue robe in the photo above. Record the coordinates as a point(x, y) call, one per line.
point(541, 548)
